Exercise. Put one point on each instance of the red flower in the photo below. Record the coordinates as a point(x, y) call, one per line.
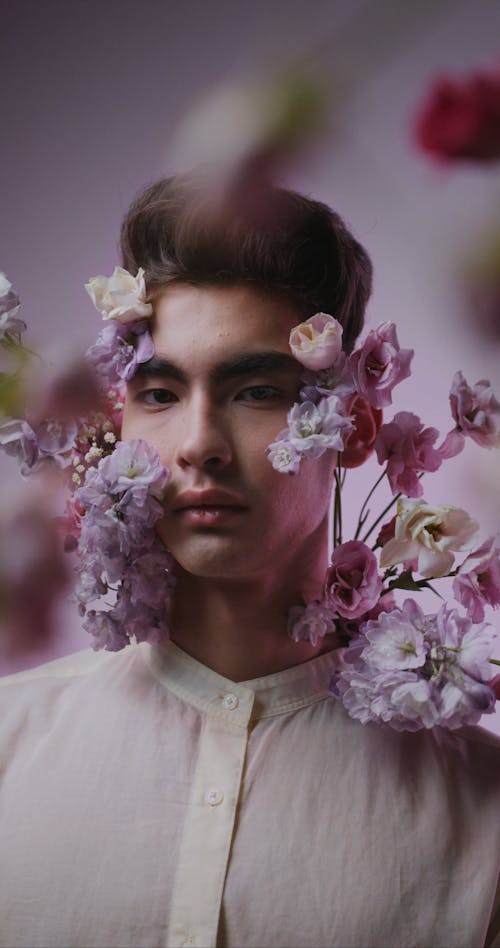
point(460, 119)
point(360, 443)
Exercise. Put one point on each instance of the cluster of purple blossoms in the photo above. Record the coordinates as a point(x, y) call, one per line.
point(119, 349)
point(411, 671)
point(120, 553)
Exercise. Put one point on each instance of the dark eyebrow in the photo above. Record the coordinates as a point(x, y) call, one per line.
point(244, 364)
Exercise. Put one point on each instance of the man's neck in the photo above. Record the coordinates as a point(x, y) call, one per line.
point(240, 629)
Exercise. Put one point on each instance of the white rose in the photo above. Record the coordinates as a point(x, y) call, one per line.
point(120, 296)
point(428, 534)
point(317, 343)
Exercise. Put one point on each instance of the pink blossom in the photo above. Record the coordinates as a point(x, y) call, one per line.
point(476, 413)
point(317, 342)
point(353, 584)
point(478, 580)
point(407, 447)
point(380, 364)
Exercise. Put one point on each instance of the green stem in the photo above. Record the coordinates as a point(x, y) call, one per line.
point(362, 518)
point(338, 494)
point(494, 661)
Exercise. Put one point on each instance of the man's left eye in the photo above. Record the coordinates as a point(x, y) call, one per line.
point(259, 393)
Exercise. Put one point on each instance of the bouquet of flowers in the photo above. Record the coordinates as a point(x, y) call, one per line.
point(401, 667)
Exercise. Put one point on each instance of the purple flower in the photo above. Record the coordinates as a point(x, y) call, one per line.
point(380, 364)
point(311, 622)
point(133, 466)
point(475, 411)
point(106, 631)
point(119, 349)
point(396, 639)
point(313, 429)
point(282, 454)
point(478, 580)
point(120, 549)
point(352, 584)
point(412, 670)
point(407, 447)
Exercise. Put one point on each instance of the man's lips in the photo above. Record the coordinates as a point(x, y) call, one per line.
point(206, 500)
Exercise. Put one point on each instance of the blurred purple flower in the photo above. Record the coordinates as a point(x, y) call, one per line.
point(380, 364)
point(11, 326)
point(478, 580)
point(311, 622)
point(476, 413)
point(408, 448)
point(33, 446)
point(352, 583)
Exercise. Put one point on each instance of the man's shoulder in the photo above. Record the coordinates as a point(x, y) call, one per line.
point(30, 699)
point(65, 668)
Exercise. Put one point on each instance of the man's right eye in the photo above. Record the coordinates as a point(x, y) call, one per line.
point(155, 397)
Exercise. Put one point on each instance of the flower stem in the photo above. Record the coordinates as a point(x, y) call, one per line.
point(339, 480)
point(382, 515)
point(362, 515)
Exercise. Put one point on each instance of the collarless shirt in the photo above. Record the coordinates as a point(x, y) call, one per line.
point(148, 801)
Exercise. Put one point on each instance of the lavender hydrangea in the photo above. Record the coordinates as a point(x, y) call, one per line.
point(120, 552)
point(413, 671)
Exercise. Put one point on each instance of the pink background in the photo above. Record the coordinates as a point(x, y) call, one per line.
point(93, 91)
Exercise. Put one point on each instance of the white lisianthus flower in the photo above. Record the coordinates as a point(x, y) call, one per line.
point(120, 296)
point(317, 343)
point(428, 534)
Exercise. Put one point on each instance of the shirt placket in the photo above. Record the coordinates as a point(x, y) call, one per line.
point(209, 822)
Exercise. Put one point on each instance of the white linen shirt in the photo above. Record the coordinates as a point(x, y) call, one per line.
point(147, 801)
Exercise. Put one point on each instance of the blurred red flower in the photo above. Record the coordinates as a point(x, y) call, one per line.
point(460, 118)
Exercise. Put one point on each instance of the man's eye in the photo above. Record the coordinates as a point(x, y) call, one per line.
point(259, 393)
point(157, 396)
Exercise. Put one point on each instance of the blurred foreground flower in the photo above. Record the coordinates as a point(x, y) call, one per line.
point(34, 572)
point(460, 118)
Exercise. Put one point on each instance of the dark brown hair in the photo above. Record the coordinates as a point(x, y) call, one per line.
point(278, 240)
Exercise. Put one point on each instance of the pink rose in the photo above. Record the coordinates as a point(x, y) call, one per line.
point(380, 364)
point(460, 119)
point(353, 584)
point(478, 580)
point(317, 343)
point(407, 447)
point(360, 443)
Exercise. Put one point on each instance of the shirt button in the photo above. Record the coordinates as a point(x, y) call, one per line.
point(214, 796)
point(230, 702)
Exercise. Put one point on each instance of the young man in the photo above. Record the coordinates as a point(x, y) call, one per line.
point(208, 790)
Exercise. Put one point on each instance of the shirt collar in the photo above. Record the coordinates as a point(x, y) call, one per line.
point(263, 697)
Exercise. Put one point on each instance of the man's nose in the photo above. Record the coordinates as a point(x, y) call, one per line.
point(204, 441)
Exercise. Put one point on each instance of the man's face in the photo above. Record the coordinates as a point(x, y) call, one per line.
point(213, 398)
